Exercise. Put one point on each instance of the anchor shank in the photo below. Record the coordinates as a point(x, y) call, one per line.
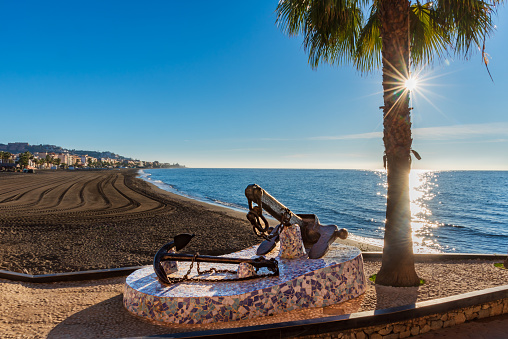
point(258, 262)
point(276, 209)
point(316, 238)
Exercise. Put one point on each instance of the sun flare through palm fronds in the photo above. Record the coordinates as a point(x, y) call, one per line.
point(411, 84)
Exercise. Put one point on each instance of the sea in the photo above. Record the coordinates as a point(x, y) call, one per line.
point(452, 211)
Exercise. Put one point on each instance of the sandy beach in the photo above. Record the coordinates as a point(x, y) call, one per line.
point(61, 221)
point(71, 221)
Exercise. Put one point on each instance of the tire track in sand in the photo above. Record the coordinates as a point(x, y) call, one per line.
point(102, 197)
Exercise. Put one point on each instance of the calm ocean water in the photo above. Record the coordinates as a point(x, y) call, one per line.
point(453, 211)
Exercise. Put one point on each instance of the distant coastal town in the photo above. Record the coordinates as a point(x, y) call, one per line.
point(21, 156)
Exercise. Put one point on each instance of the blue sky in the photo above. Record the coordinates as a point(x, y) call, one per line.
point(216, 84)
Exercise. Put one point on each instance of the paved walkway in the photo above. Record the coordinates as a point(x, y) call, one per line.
point(487, 328)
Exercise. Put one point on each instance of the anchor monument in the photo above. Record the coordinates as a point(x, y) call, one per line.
point(309, 270)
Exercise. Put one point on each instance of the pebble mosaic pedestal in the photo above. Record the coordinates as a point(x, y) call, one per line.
point(302, 283)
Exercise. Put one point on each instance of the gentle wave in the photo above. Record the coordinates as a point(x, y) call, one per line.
point(172, 189)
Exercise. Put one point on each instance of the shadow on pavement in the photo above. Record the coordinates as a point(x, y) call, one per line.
point(108, 319)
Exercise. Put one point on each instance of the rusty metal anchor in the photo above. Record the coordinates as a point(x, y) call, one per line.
point(317, 238)
point(181, 240)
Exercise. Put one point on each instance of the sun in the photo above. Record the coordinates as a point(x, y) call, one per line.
point(411, 84)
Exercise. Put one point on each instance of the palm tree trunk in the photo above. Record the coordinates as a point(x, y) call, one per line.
point(397, 267)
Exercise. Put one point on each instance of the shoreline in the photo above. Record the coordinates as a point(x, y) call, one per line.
point(71, 221)
point(235, 213)
point(363, 246)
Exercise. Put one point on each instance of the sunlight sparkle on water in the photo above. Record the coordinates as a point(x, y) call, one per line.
point(422, 189)
point(420, 186)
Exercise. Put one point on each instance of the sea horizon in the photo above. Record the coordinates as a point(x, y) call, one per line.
point(338, 169)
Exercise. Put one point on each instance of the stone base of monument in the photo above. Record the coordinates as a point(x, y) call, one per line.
point(215, 297)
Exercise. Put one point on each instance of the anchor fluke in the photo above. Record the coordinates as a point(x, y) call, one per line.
point(181, 240)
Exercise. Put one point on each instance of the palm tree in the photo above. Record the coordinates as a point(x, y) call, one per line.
point(392, 35)
point(5, 156)
point(49, 159)
point(24, 159)
point(57, 161)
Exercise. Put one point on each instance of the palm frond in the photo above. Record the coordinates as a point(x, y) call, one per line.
point(429, 38)
point(368, 52)
point(291, 16)
point(330, 27)
point(467, 21)
point(335, 32)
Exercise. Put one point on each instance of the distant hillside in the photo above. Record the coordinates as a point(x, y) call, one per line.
point(20, 147)
point(97, 154)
